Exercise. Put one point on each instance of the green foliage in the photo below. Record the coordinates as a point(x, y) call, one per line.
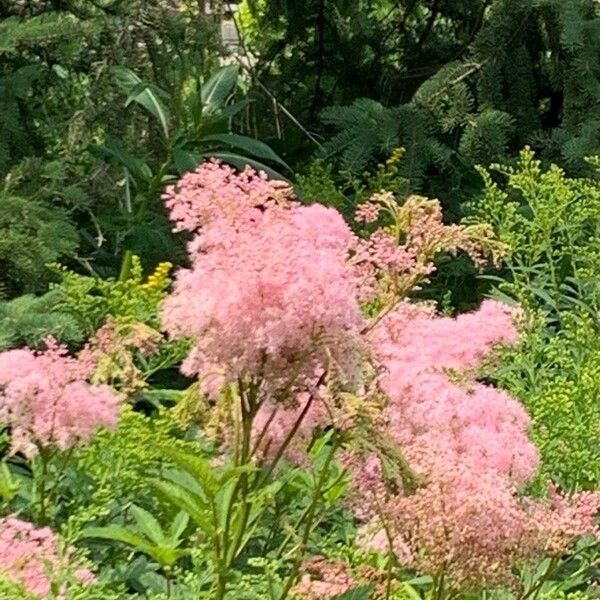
point(147, 536)
point(344, 190)
point(366, 129)
point(28, 320)
point(90, 300)
point(33, 236)
point(112, 472)
point(9, 590)
point(556, 374)
point(78, 305)
point(455, 83)
point(550, 223)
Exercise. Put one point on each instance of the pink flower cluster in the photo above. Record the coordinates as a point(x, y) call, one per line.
point(469, 444)
point(31, 557)
point(216, 192)
point(323, 578)
point(273, 298)
point(438, 421)
point(47, 402)
point(398, 257)
point(269, 292)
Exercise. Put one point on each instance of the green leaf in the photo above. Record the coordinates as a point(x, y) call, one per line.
point(116, 533)
point(218, 88)
point(185, 161)
point(247, 144)
point(178, 527)
point(241, 162)
point(360, 593)
point(8, 486)
point(149, 526)
point(199, 468)
point(146, 95)
point(114, 149)
point(233, 109)
point(188, 502)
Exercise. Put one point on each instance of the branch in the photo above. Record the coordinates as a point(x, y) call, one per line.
point(435, 8)
point(247, 66)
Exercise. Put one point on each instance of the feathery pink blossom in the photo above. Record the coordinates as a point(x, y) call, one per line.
point(269, 292)
point(469, 444)
point(46, 400)
point(215, 191)
point(30, 556)
point(439, 421)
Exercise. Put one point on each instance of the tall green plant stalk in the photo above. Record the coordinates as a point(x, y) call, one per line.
point(310, 520)
point(231, 542)
point(41, 476)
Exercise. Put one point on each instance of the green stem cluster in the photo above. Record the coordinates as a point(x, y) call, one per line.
point(231, 540)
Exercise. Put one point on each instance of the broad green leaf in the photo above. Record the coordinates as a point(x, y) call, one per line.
point(410, 592)
point(116, 533)
point(185, 161)
point(187, 502)
point(363, 592)
point(186, 481)
point(164, 555)
point(200, 469)
point(247, 144)
point(218, 88)
point(178, 527)
point(149, 526)
point(114, 149)
point(233, 109)
point(8, 486)
point(146, 95)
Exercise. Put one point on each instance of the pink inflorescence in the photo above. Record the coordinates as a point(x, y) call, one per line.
point(468, 442)
point(269, 288)
point(47, 402)
point(323, 578)
point(30, 556)
point(438, 421)
point(216, 191)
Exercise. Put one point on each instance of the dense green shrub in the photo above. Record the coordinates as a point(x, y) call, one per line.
point(551, 223)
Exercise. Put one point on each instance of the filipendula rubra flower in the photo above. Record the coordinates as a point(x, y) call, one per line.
point(269, 293)
point(467, 523)
point(47, 402)
point(31, 557)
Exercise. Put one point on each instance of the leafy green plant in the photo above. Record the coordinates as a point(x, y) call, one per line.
point(148, 536)
point(556, 374)
point(195, 122)
point(550, 223)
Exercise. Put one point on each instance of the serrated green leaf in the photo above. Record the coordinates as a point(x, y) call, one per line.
point(187, 502)
point(178, 527)
point(149, 526)
point(116, 533)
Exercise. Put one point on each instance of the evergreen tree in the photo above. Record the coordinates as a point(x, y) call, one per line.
point(455, 83)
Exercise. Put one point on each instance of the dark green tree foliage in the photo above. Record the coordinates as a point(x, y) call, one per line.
point(32, 237)
point(457, 83)
point(28, 320)
point(59, 101)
